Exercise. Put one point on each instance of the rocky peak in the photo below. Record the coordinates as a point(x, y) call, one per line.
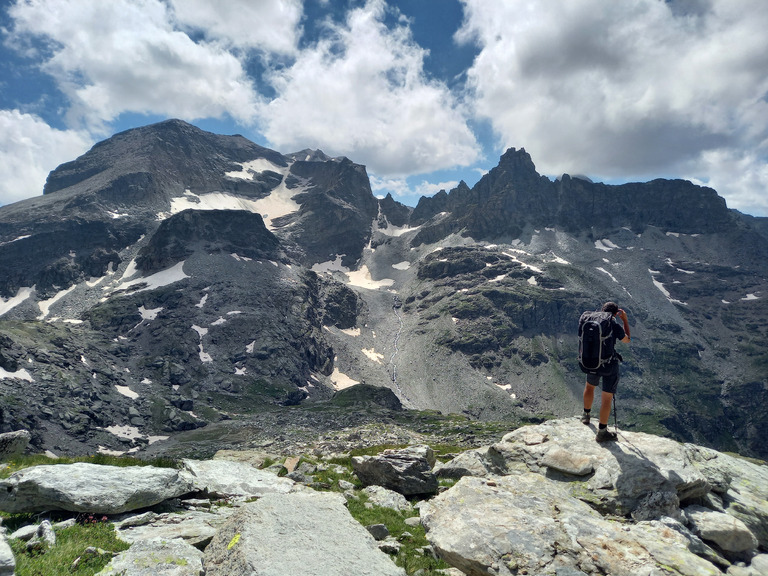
point(514, 195)
point(160, 159)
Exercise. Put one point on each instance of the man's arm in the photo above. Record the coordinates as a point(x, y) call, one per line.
point(623, 316)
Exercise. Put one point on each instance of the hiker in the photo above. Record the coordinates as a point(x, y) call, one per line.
point(605, 364)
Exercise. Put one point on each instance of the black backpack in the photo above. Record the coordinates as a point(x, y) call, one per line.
point(595, 341)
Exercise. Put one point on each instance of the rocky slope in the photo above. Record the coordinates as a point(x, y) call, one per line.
point(173, 283)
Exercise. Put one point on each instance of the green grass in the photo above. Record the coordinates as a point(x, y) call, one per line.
point(412, 538)
point(71, 544)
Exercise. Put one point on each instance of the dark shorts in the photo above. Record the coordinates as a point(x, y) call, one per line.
point(610, 377)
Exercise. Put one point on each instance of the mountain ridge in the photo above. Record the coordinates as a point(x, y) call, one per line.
point(216, 278)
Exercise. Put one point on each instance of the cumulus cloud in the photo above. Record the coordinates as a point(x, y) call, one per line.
point(269, 25)
point(29, 150)
point(125, 56)
point(361, 91)
point(621, 89)
point(405, 192)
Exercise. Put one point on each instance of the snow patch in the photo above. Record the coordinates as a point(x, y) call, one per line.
point(240, 371)
point(149, 314)
point(558, 260)
point(130, 270)
point(751, 297)
point(666, 293)
point(250, 347)
point(202, 302)
point(128, 432)
point(341, 381)
point(402, 265)
point(351, 331)
point(21, 295)
point(532, 281)
point(126, 391)
point(397, 231)
point(373, 355)
point(18, 375)
point(513, 255)
point(605, 245)
point(204, 356)
point(219, 322)
point(612, 277)
point(45, 305)
point(158, 279)
point(252, 167)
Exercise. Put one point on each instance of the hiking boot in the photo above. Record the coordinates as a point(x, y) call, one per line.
point(604, 435)
point(585, 418)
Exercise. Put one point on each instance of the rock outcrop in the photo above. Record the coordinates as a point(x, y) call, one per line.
point(549, 498)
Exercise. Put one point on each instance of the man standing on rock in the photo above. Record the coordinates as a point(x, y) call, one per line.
point(600, 360)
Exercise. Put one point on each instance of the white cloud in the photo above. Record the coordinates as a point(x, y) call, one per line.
point(270, 25)
point(406, 193)
point(118, 56)
point(628, 89)
point(361, 91)
point(29, 150)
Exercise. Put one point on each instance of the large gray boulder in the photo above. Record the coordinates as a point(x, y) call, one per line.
point(729, 533)
point(407, 471)
point(12, 443)
point(234, 479)
point(307, 533)
point(84, 487)
point(157, 557)
point(525, 524)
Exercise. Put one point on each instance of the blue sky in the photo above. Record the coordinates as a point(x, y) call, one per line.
point(423, 92)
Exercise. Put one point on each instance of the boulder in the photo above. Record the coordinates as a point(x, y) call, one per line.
point(233, 479)
point(308, 533)
point(157, 557)
point(468, 463)
point(742, 485)
point(7, 561)
point(84, 487)
point(380, 496)
point(12, 443)
point(407, 471)
point(728, 533)
point(526, 524)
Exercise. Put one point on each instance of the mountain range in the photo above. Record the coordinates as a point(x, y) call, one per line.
point(171, 281)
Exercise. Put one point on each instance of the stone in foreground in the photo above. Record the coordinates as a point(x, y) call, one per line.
point(307, 533)
point(85, 487)
point(157, 557)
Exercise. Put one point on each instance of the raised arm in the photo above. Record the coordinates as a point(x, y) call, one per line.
point(623, 317)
